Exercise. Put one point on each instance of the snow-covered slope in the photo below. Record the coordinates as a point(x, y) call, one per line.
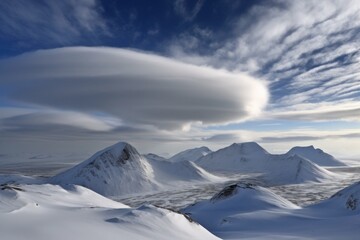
point(347, 199)
point(234, 199)
point(42, 212)
point(244, 211)
point(190, 154)
point(120, 169)
point(116, 170)
point(317, 156)
point(252, 158)
point(185, 171)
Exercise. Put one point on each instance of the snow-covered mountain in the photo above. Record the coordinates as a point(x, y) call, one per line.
point(316, 155)
point(42, 212)
point(190, 154)
point(153, 156)
point(233, 199)
point(245, 211)
point(120, 169)
point(250, 157)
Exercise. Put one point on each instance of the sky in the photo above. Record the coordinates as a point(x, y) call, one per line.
point(77, 76)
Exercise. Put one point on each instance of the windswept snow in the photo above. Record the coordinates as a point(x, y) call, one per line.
point(316, 155)
point(42, 212)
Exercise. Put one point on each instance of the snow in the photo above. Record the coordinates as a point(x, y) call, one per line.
point(120, 170)
point(69, 206)
point(41, 212)
point(244, 211)
point(152, 156)
point(190, 154)
point(347, 200)
point(252, 158)
point(317, 156)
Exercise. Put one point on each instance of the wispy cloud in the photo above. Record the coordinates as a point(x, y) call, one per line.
point(307, 50)
point(187, 12)
point(49, 22)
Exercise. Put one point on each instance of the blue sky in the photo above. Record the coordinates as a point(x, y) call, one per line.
point(168, 75)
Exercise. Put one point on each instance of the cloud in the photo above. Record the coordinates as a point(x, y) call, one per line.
point(182, 9)
point(324, 111)
point(45, 119)
point(308, 51)
point(47, 22)
point(138, 88)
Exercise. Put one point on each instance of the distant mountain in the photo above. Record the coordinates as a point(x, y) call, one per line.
point(250, 157)
point(153, 156)
point(120, 169)
point(317, 156)
point(190, 154)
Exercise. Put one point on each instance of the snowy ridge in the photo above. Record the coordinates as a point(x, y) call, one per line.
point(190, 154)
point(317, 156)
point(252, 158)
point(152, 156)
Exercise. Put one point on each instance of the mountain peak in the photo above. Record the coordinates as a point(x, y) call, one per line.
point(315, 155)
point(111, 171)
point(190, 154)
point(248, 147)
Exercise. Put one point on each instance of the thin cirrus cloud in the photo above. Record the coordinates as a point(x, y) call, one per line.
point(61, 22)
point(138, 88)
point(307, 50)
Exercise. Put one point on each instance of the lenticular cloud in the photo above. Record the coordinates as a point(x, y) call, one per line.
point(137, 87)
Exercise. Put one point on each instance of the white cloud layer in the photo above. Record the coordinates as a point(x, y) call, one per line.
point(138, 88)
